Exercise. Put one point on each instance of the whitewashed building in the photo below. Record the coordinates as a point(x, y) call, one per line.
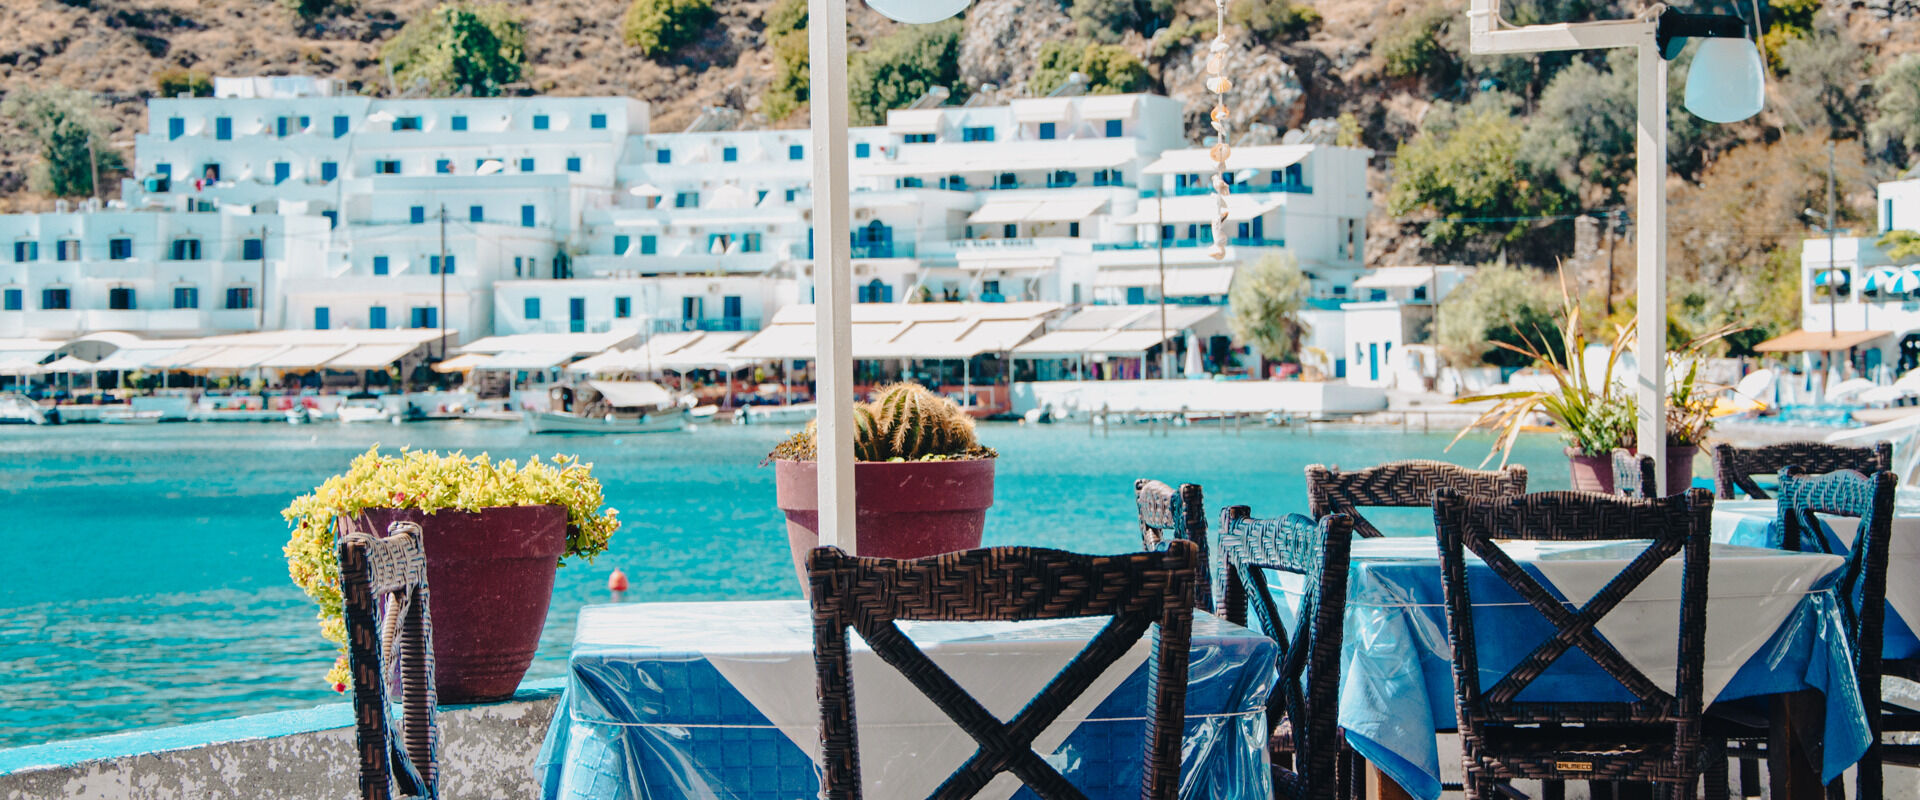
point(1854, 298)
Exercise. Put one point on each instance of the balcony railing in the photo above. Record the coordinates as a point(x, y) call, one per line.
point(707, 324)
point(1237, 241)
point(1238, 188)
point(1016, 243)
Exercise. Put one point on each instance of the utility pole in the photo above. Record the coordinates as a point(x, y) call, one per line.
point(443, 282)
point(93, 165)
point(1833, 323)
point(262, 303)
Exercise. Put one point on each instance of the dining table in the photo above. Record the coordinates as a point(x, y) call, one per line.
point(717, 700)
point(1774, 629)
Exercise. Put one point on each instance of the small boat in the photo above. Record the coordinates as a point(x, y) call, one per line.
point(363, 410)
point(128, 415)
point(18, 409)
point(610, 407)
point(776, 415)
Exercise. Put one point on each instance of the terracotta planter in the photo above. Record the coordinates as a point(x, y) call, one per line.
point(491, 575)
point(904, 509)
point(1595, 473)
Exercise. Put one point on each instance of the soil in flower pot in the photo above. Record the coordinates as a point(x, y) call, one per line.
point(490, 576)
point(909, 509)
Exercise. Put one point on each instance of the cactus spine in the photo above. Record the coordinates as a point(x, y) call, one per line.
point(904, 423)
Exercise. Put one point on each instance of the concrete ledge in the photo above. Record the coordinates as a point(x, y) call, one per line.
point(487, 751)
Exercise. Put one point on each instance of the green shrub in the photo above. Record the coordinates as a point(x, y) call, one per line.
point(901, 67)
point(176, 81)
point(311, 9)
point(70, 134)
point(658, 27)
point(787, 36)
point(459, 44)
point(1273, 18)
point(1181, 32)
point(1464, 169)
point(1108, 21)
point(1413, 46)
point(1109, 68)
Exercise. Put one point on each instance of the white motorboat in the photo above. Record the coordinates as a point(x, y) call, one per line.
point(610, 407)
point(128, 415)
point(776, 415)
point(18, 409)
point(362, 410)
point(555, 422)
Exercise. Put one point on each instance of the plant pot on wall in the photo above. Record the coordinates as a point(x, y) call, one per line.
point(903, 509)
point(491, 577)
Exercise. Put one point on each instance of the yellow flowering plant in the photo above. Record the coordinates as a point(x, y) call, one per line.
point(430, 482)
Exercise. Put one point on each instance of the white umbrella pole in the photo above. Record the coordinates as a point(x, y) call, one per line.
point(1651, 166)
point(832, 272)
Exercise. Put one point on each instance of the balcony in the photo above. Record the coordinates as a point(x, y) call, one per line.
point(1237, 241)
point(1238, 188)
point(710, 324)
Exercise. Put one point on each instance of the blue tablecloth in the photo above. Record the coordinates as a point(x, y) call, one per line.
point(1397, 686)
point(677, 700)
point(1755, 523)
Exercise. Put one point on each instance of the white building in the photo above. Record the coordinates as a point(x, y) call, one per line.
point(1865, 315)
point(1384, 336)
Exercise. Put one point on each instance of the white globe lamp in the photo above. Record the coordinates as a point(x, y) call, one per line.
point(918, 12)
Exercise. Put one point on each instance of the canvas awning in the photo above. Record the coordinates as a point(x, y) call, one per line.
point(957, 163)
point(1395, 278)
point(371, 356)
point(1000, 211)
point(1805, 340)
point(1181, 281)
point(708, 351)
point(236, 358)
point(1199, 159)
point(1132, 342)
point(880, 331)
point(18, 361)
point(67, 365)
point(465, 362)
point(125, 359)
point(1196, 208)
point(1111, 106)
point(1042, 109)
point(526, 360)
point(184, 357)
point(1061, 344)
point(914, 120)
point(632, 394)
point(309, 356)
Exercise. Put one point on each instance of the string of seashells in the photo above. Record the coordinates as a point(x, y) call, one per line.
point(1218, 83)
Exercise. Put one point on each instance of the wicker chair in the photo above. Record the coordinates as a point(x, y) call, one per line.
point(1401, 484)
point(1311, 651)
point(1633, 475)
point(395, 761)
point(1168, 513)
point(1655, 739)
point(1734, 467)
point(1139, 591)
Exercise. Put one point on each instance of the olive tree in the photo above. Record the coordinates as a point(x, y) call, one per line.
point(1267, 298)
point(459, 44)
point(70, 134)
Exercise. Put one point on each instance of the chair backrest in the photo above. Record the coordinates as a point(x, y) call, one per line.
point(1677, 525)
point(1633, 475)
point(395, 760)
point(1170, 513)
point(1734, 467)
point(1308, 664)
point(1139, 591)
point(1401, 484)
point(1863, 580)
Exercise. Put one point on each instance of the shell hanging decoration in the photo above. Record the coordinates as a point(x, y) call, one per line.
point(1218, 83)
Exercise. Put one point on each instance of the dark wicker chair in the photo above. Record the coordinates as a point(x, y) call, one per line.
point(1401, 484)
point(1633, 475)
point(1139, 591)
point(1734, 467)
point(1168, 513)
point(395, 761)
point(1655, 739)
point(1308, 664)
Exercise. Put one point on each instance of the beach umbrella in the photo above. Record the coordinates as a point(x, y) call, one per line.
point(1878, 279)
point(1904, 281)
point(1194, 368)
point(1830, 276)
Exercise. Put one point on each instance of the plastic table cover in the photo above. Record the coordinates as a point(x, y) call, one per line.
point(1397, 689)
point(1755, 523)
point(717, 700)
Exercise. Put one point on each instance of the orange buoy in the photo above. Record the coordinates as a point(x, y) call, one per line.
point(617, 582)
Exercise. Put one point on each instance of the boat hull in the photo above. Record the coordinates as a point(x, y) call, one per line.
point(549, 422)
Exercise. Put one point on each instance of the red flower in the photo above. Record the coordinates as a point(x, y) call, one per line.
point(340, 687)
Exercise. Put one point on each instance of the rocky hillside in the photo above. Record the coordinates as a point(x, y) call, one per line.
point(113, 48)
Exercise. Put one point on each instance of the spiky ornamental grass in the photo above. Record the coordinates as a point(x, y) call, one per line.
point(905, 422)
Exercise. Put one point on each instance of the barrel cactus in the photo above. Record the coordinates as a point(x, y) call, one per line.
point(905, 422)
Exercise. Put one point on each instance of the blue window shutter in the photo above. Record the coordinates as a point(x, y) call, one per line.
point(322, 317)
point(649, 245)
point(1113, 129)
point(417, 214)
point(531, 308)
point(526, 165)
point(540, 122)
point(597, 121)
point(573, 163)
point(379, 265)
point(176, 128)
point(1046, 130)
point(476, 214)
point(796, 152)
point(452, 263)
point(340, 126)
point(281, 172)
point(526, 216)
point(329, 170)
point(459, 123)
point(862, 150)
point(377, 317)
point(620, 244)
point(223, 128)
point(663, 156)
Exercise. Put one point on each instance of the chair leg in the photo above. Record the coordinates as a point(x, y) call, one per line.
point(1553, 790)
point(1600, 790)
point(1750, 777)
point(1715, 772)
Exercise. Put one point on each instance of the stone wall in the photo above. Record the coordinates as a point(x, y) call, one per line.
point(487, 751)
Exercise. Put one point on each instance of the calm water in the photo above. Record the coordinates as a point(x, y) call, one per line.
point(143, 582)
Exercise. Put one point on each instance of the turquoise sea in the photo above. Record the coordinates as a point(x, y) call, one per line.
point(143, 582)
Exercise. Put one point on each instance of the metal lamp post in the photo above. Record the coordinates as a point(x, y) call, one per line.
point(1725, 85)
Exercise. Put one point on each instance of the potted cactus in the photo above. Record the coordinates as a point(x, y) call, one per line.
point(922, 481)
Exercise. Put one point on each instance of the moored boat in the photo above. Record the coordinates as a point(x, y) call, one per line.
point(610, 407)
point(18, 409)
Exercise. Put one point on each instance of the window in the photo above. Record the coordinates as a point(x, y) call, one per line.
point(1136, 295)
point(119, 248)
point(176, 128)
point(573, 163)
point(919, 138)
point(380, 265)
point(433, 264)
point(862, 150)
point(26, 251)
point(13, 300)
point(340, 126)
point(223, 128)
point(1010, 230)
point(620, 244)
point(406, 123)
point(1062, 178)
point(377, 317)
point(444, 166)
point(796, 152)
point(1006, 180)
point(386, 167)
point(1419, 292)
point(240, 297)
point(541, 122)
point(322, 318)
point(55, 299)
point(476, 214)
point(1073, 230)
point(67, 250)
point(977, 134)
point(526, 216)
point(1166, 233)
point(526, 165)
point(186, 250)
point(329, 171)
point(1113, 129)
point(597, 121)
point(425, 317)
point(663, 156)
point(791, 194)
point(417, 214)
point(729, 154)
point(1046, 130)
point(211, 172)
point(306, 124)
point(186, 297)
point(333, 218)
point(281, 126)
point(622, 307)
point(166, 170)
point(686, 200)
point(459, 123)
point(649, 244)
point(530, 308)
point(749, 243)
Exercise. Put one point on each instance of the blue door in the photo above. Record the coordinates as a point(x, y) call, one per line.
point(223, 128)
point(1373, 361)
point(281, 172)
point(577, 314)
point(526, 216)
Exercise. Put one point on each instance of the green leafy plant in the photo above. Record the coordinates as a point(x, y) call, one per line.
point(460, 44)
point(176, 81)
point(900, 68)
point(905, 422)
point(1413, 47)
point(1109, 21)
point(70, 133)
point(787, 36)
point(658, 27)
point(1593, 417)
point(431, 482)
point(1267, 299)
point(1273, 18)
point(1110, 68)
